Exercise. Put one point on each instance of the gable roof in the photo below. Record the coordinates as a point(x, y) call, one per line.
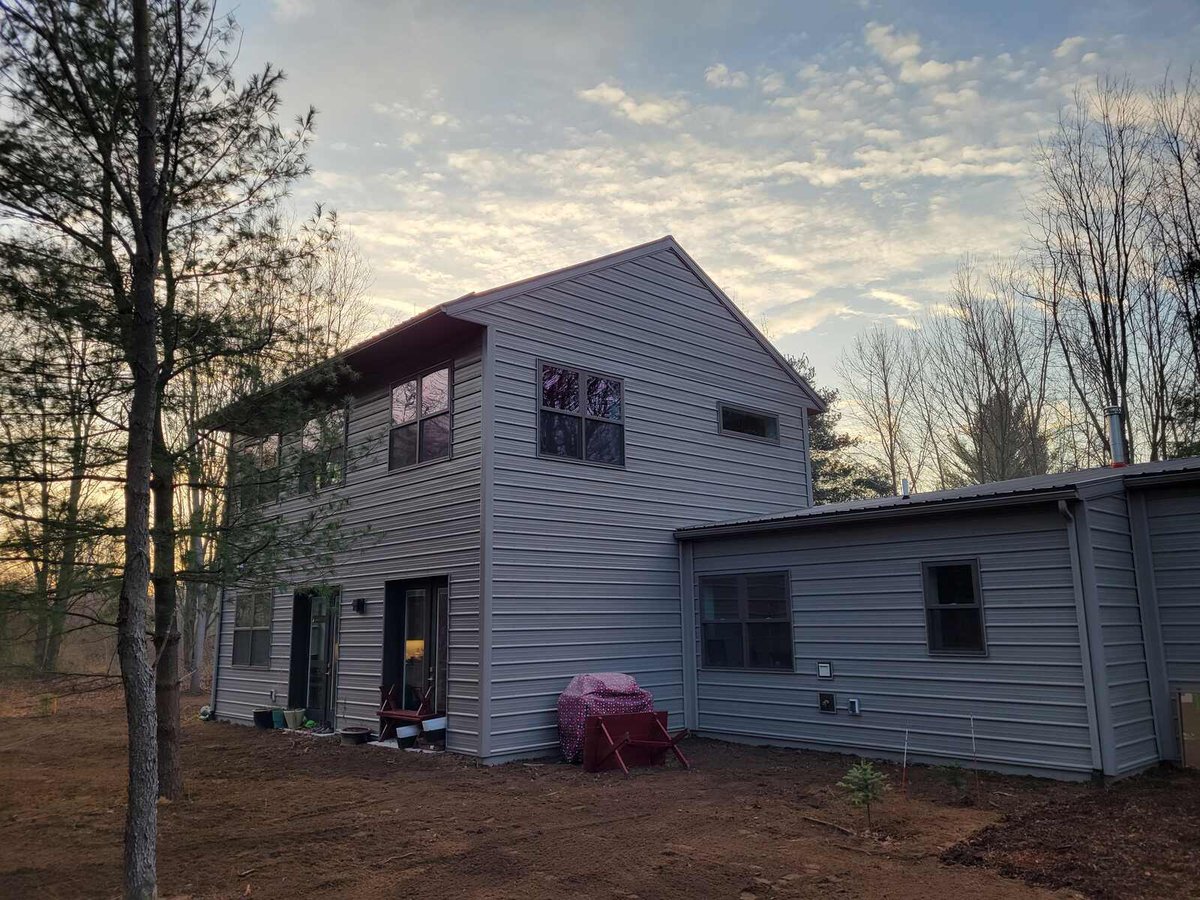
point(1036, 488)
point(475, 301)
point(418, 330)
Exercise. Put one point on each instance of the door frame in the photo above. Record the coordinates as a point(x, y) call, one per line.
point(299, 665)
point(391, 668)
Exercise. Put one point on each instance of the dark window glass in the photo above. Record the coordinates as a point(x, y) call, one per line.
point(422, 428)
point(252, 628)
point(953, 609)
point(604, 397)
point(322, 461)
point(241, 647)
point(751, 424)
point(723, 646)
point(560, 388)
point(404, 446)
point(435, 392)
point(769, 645)
point(260, 647)
point(589, 428)
point(404, 403)
point(719, 598)
point(766, 596)
point(746, 621)
point(605, 442)
point(560, 435)
point(435, 437)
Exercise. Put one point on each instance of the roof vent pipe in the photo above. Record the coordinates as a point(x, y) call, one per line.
point(904, 488)
point(1116, 436)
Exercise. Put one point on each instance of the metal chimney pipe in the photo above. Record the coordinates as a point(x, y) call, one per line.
point(904, 488)
point(1116, 436)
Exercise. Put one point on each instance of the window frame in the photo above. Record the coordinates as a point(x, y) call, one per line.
point(269, 628)
point(583, 415)
point(448, 365)
point(722, 405)
point(929, 596)
point(743, 620)
point(274, 494)
point(300, 452)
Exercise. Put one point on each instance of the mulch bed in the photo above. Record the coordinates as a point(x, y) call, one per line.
point(1139, 837)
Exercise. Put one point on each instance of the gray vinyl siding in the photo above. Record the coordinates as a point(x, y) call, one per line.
point(857, 602)
point(412, 523)
point(1174, 524)
point(584, 571)
point(1124, 653)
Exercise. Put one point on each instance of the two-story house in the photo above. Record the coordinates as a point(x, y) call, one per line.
point(516, 464)
point(606, 468)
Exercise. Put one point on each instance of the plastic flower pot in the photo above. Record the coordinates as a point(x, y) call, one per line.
point(406, 735)
point(354, 734)
point(294, 718)
point(263, 718)
point(277, 718)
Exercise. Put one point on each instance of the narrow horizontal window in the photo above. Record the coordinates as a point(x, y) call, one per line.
point(421, 429)
point(748, 423)
point(954, 608)
point(581, 415)
point(746, 621)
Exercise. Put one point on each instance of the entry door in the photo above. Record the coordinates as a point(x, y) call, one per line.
point(415, 636)
point(313, 676)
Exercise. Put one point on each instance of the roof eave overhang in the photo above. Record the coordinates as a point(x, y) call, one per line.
point(705, 532)
point(1135, 482)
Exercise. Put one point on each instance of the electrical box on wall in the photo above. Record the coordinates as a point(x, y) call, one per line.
point(360, 605)
point(853, 707)
point(827, 703)
point(824, 670)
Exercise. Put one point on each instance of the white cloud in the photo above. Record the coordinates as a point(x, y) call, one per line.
point(1068, 47)
point(771, 83)
point(894, 298)
point(721, 76)
point(904, 52)
point(649, 111)
point(292, 10)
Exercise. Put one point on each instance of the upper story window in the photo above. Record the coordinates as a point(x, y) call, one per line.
point(581, 415)
point(750, 423)
point(252, 628)
point(256, 476)
point(322, 460)
point(421, 429)
point(953, 608)
point(746, 621)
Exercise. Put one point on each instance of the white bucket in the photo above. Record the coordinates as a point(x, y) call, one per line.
point(438, 724)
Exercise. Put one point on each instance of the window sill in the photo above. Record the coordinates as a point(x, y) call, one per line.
point(957, 654)
point(420, 465)
point(747, 669)
point(770, 442)
point(248, 668)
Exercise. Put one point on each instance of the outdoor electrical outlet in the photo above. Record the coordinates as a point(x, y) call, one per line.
point(271, 693)
point(853, 707)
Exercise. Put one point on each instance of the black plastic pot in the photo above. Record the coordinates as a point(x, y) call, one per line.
point(354, 734)
point(264, 718)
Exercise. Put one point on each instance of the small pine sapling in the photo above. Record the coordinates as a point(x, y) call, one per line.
point(865, 785)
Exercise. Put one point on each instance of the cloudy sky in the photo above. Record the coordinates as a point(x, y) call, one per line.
point(827, 163)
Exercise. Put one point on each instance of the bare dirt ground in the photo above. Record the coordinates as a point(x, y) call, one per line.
point(271, 814)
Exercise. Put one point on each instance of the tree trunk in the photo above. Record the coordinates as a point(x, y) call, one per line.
point(166, 619)
point(141, 344)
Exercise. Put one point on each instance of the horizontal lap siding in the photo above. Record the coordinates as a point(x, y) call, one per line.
point(1124, 649)
point(406, 524)
point(585, 568)
point(1174, 519)
point(857, 602)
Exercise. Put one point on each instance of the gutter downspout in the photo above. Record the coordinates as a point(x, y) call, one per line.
point(687, 635)
point(1094, 686)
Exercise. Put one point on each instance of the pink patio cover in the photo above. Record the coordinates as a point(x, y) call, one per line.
point(601, 694)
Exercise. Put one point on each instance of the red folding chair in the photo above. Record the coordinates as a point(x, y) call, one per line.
point(392, 714)
point(630, 739)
